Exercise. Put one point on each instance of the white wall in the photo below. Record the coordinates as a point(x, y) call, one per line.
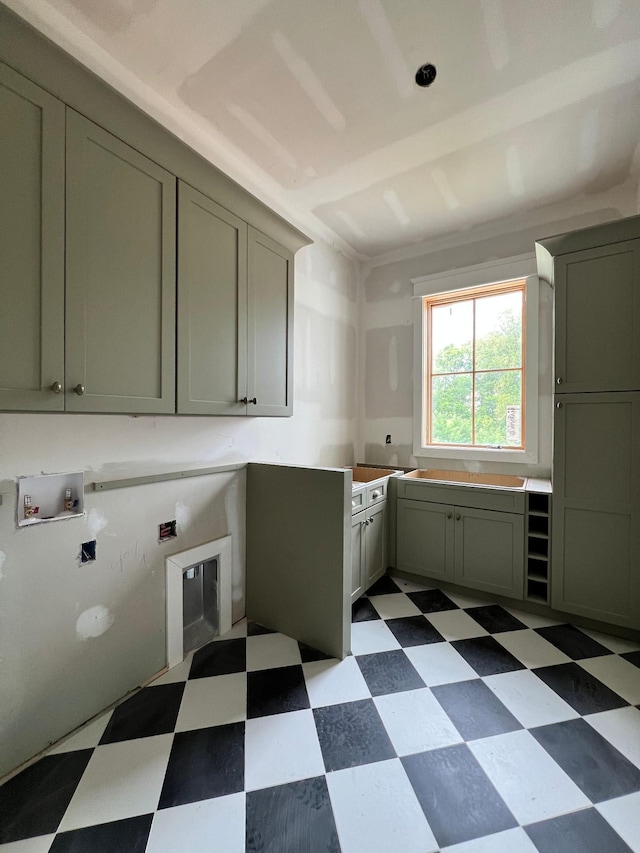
point(53, 677)
point(386, 344)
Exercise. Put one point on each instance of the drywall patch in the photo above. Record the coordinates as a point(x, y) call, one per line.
point(94, 622)
point(96, 522)
point(393, 363)
point(3, 557)
point(183, 516)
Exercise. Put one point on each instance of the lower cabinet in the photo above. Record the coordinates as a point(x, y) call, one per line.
point(368, 548)
point(476, 548)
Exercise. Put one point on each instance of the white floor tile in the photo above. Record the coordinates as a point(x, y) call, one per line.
point(416, 722)
point(618, 674)
point(202, 827)
point(511, 841)
point(531, 649)
point(530, 700)
point(464, 600)
point(267, 651)
point(237, 631)
point(624, 816)
point(376, 810)
point(88, 736)
point(281, 748)
point(456, 625)
point(394, 606)
point(121, 780)
point(213, 702)
point(411, 586)
point(179, 672)
point(372, 636)
point(621, 727)
point(532, 620)
point(530, 782)
point(330, 682)
point(40, 844)
point(439, 663)
point(615, 644)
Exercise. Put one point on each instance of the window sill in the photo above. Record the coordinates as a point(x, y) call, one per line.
point(477, 454)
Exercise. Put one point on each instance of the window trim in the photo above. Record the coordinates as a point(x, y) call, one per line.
point(480, 275)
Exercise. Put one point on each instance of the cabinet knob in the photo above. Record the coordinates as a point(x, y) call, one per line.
point(365, 523)
point(375, 495)
point(559, 380)
point(458, 517)
point(79, 389)
point(56, 387)
point(254, 401)
point(371, 520)
point(244, 400)
point(558, 405)
point(449, 515)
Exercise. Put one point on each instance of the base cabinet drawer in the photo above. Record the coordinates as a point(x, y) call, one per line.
point(481, 549)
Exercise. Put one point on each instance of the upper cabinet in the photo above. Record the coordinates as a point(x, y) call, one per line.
point(597, 307)
point(235, 314)
point(120, 297)
point(31, 246)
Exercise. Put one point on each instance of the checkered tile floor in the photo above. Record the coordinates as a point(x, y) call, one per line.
point(456, 726)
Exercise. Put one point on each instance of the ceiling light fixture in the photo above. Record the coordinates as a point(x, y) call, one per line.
point(425, 75)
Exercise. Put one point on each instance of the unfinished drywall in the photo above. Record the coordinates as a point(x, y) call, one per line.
point(386, 345)
point(76, 637)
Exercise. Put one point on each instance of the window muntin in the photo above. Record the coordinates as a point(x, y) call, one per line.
point(475, 367)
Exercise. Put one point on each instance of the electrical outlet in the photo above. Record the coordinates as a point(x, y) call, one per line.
point(387, 440)
point(88, 551)
point(167, 530)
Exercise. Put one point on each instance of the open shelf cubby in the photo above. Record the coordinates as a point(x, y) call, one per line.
point(50, 497)
point(538, 543)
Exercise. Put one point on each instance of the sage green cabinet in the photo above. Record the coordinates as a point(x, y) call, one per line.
point(368, 548)
point(596, 507)
point(235, 314)
point(31, 246)
point(120, 276)
point(476, 548)
point(597, 318)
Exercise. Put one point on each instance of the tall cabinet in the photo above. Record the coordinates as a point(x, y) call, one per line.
point(596, 462)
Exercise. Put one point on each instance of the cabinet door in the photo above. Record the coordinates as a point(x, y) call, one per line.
point(489, 551)
point(358, 528)
point(270, 335)
point(425, 539)
point(375, 552)
point(596, 507)
point(597, 319)
point(120, 306)
point(212, 307)
point(31, 245)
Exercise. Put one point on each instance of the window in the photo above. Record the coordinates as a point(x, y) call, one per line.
point(476, 363)
point(475, 367)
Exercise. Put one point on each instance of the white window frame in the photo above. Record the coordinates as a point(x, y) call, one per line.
point(481, 275)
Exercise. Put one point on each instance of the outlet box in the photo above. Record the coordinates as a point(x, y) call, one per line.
point(387, 440)
point(167, 530)
point(88, 551)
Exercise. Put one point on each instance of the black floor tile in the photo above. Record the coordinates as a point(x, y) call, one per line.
point(120, 836)
point(414, 631)
point(432, 601)
point(255, 628)
point(583, 691)
point(34, 801)
point(219, 658)
point(384, 586)
point(352, 734)
point(474, 709)
point(585, 831)
point(276, 691)
point(308, 653)
point(573, 642)
point(204, 763)
point(152, 711)
point(459, 801)
point(363, 610)
point(292, 818)
point(595, 766)
point(487, 656)
point(495, 619)
point(632, 657)
point(389, 672)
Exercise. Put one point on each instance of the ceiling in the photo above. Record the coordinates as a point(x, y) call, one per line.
point(313, 105)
